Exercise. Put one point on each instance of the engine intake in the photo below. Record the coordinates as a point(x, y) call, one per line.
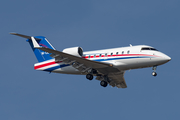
point(77, 51)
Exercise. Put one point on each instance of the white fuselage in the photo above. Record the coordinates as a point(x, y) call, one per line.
point(123, 58)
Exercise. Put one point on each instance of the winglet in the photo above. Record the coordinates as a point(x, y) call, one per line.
point(35, 44)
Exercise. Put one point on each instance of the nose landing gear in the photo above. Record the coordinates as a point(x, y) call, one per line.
point(154, 74)
point(154, 71)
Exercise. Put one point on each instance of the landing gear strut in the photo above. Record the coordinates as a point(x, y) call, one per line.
point(89, 76)
point(154, 71)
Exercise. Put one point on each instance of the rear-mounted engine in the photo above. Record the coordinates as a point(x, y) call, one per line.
point(77, 51)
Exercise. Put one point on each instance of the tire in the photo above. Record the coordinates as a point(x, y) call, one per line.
point(154, 74)
point(89, 76)
point(103, 83)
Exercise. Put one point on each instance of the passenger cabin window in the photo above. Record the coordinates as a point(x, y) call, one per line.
point(128, 52)
point(111, 54)
point(147, 48)
point(117, 53)
point(106, 54)
point(122, 52)
point(100, 55)
point(94, 56)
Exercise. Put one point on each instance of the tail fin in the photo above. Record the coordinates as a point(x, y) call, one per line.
point(43, 42)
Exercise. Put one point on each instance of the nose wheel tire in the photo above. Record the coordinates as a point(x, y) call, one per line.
point(103, 83)
point(154, 73)
point(89, 76)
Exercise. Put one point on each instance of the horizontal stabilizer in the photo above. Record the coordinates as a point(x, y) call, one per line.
point(24, 36)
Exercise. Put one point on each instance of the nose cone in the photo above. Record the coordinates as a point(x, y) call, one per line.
point(162, 59)
point(167, 58)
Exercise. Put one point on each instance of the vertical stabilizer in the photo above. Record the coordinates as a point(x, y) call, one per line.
point(38, 41)
point(42, 42)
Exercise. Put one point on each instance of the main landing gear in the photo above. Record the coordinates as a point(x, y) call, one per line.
point(103, 83)
point(89, 76)
point(154, 71)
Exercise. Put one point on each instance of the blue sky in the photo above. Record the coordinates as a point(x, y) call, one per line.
point(26, 94)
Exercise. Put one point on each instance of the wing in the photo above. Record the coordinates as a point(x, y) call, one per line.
point(115, 77)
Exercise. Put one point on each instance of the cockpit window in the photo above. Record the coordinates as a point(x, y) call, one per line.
point(147, 48)
point(153, 49)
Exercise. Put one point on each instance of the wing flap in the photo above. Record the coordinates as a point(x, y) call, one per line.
point(117, 79)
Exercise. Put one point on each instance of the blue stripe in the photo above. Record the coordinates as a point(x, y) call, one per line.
point(56, 67)
point(121, 58)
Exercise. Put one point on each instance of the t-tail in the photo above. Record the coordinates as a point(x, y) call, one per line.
point(43, 42)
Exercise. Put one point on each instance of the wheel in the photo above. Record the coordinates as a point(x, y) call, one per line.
point(154, 74)
point(89, 76)
point(103, 83)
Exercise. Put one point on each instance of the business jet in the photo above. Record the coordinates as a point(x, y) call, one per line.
point(108, 65)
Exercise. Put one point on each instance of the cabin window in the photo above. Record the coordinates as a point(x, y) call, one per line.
point(111, 54)
point(100, 55)
point(89, 56)
point(128, 52)
point(122, 52)
point(105, 54)
point(117, 53)
point(94, 55)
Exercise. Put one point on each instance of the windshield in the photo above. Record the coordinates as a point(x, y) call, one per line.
point(148, 48)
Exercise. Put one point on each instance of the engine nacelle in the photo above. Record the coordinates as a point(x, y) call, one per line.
point(77, 51)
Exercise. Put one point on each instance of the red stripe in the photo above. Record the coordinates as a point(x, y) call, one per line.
point(44, 65)
point(120, 55)
point(97, 55)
